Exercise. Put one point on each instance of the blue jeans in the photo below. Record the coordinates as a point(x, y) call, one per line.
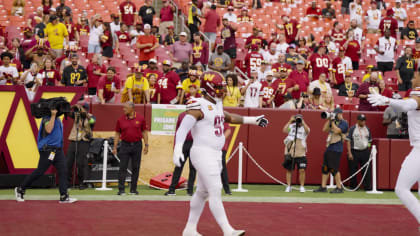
point(93, 48)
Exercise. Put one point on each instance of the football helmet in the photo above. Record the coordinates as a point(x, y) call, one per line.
point(212, 83)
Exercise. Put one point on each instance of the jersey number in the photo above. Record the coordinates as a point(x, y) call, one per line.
point(253, 92)
point(163, 83)
point(255, 62)
point(341, 68)
point(218, 125)
point(128, 10)
point(74, 77)
point(322, 62)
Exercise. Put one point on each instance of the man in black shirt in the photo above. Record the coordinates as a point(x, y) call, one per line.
point(409, 32)
point(74, 74)
point(147, 12)
point(405, 70)
point(328, 12)
point(348, 88)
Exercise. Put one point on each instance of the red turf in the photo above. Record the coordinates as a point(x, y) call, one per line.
point(156, 218)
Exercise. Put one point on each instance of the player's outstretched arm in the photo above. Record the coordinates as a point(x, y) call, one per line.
point(251, 120)
point(411, 104)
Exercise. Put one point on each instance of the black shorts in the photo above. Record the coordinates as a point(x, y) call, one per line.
point(107, 52)
point(299, 162)
point(92, 91)
point(385, 66)
point(332, 160)
point(231, 52)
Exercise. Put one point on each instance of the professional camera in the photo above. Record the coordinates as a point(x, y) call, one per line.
point(78, 112)
point(44, 106)
point(298, 119)
point(328, 115)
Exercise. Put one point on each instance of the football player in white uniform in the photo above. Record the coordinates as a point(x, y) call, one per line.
point(205, 118)
point(410, 168)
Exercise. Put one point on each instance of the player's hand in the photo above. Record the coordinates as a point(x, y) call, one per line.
point(178, 157)
point(262, 121)
point(378, 100)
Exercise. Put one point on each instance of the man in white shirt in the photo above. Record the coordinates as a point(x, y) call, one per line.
point(136, 32)
point(358, 32)
point(252, 91)
point(385, 47)
point(282, 46)
point(356, 11)
point(399, 14)
point(230, 15)
point(373, 17)
point(8, 73)
point(271, 55)
point(322, 84)
point(264, 69)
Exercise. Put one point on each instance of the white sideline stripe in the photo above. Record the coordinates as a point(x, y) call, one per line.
point(225, 198)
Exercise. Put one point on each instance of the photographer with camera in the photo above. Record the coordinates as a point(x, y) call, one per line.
point(80, 137)
point(295, 149)
point(50, 147)
point(337, 128)
point(396, 122)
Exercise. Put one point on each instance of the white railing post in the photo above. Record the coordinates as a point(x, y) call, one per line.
point(374, 187)
point(240, 189)
point(331, 185)
point(104, 167)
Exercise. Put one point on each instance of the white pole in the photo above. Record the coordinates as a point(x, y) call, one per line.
point(104, 167)
point(331, 185)
point(240, 189)
point(374, 187)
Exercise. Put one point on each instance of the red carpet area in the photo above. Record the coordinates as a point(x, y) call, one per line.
point(158, 218)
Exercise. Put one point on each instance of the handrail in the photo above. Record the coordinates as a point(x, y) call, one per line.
point(237, 70)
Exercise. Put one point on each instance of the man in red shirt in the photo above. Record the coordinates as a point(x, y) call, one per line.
point(131, 129)
point(108, 86)
point(254, 39)
point(170, 85)
point(253, 60)
point(94, 70)
point(298, 80)
point(268, 89)
point(127, 12)
point(353, 49)
point(147, 44)
point(319, 63)
point(291, 29)
point(281, 90)
point(152, 69)
point(281, 65)
point(389, 23)
point(211, 24)
point(166, 17)
point(313, 11)
point(340, 65)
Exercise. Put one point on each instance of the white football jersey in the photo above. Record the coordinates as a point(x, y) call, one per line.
point(209, 131)
point(401, 13)
point(414, 127)
point(358, 35)
point(373, 19)
point(387, 46)
point(252, 94)
point(356, 12)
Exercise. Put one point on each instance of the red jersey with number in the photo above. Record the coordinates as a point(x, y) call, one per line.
point(154, 90)
point(253, 62)
point(338, 36)
point(127, 10)
point(72, 29)
point(280, 91)
point(49, 77)
point(268, 92)
point(319, 64)
point(123, 37)
point(389, 23)
point(339, 69)
point(168, 85)
point(276, 67)
point(291, 30)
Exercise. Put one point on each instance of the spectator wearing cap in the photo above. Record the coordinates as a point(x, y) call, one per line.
point(336, 127)
point(373, 18)
point(393, 120)
point(399, 14)
point(193, 79)
point(366, 88)
point(80, 137)
point(353, 49)
point(170, 37)
point(254, 39)
point(31, 22)
point(282, 81)
point(181, 51)
point(136, 89)
point(127, 13)
point(232, 96)
point(281, 65)
point(389, 23)
point(405, 69)
point(8, 74)
point(74, 74)
point(52, 12)
point(385, 47)
point(146, 13)
point(319, 62)
point(313, 11)
point(298, 82)
point(289, 102)
point(291, 29)
point(166, 16)
point(315, 98)
point(147, 44)
point(409, 32)
point(152, 68)
point(252, 91)
point(244, 17)
point(368, 71)
point(269, 88)
point(340, 66)
point(359, 141)
point(348, 88)
point(212, 23)
point(193, 18)
point(108, 86)
point(46, 6)
point(95, 31)
point(95, 70)
point(263, 71)
point(229, 40)
point(292, 56)
point(200, 54)
point(169, 84)
point(328, 12)
point(230, 16)
point(56, 33)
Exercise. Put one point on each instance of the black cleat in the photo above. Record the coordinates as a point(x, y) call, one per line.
point(170, 193)
point(337, 190)
point(134, 193)
point(320, 190)
point(121, 193)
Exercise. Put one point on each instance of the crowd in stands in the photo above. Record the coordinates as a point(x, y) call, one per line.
point(138, 56)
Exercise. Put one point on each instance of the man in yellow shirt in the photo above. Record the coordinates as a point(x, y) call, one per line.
point(56, 32)
point(136, 89)
point(192, 79)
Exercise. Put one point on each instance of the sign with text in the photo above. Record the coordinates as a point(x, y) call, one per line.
point(164, 118)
